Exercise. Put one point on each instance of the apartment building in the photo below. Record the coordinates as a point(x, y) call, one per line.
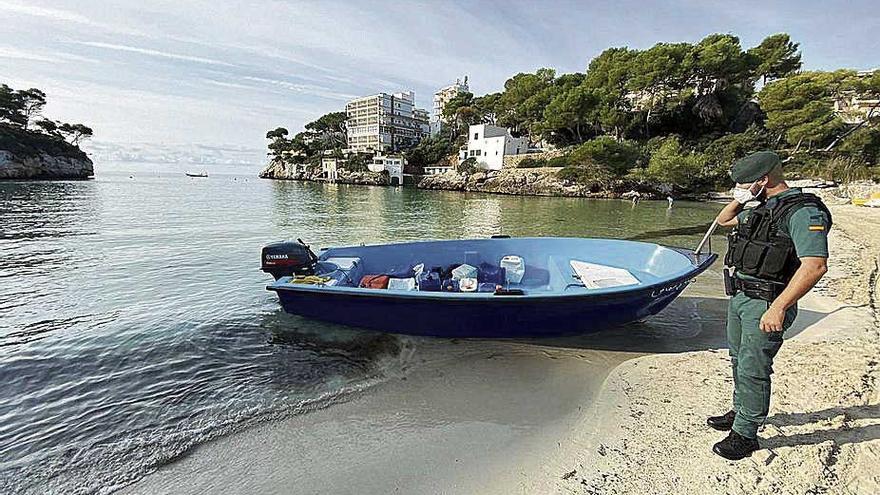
point(385, 122)
point(441, 98)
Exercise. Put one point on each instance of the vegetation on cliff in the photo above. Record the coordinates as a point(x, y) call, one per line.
point(25, 132)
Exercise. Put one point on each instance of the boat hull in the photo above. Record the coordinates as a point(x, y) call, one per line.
point(502, 317)
point(563, 312)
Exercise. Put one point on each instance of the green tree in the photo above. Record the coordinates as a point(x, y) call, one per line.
point(800, 109)
point(430, 151)
point(525, 95)
point(329, 130)
point(11, 107)
point(776, 57)
point(32, 102)
point(607, 76)
point(571, 111)
point(674, 165)
point(487, 107)
point(278, 132)
point(721, 76)
point(74, 133)
point(659, 78)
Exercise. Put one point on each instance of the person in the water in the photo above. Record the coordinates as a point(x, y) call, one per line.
point(778, 251)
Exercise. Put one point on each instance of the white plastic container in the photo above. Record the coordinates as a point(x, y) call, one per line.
point(514, 268)
point(464, 271)
point(468, 285)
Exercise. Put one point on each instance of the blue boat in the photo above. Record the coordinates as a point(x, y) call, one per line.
point(561, 286)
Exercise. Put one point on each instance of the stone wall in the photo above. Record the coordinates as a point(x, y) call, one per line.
point(44, 166)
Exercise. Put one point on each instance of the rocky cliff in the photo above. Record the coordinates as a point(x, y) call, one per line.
point(44, 166)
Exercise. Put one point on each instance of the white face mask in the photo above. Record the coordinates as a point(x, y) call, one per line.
point(744, 195)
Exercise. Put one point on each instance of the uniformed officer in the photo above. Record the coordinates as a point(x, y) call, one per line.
point(778, 251)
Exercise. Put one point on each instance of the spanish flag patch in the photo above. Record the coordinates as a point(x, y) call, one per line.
point(817, 228)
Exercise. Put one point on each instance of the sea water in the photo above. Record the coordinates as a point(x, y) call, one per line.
point(135, 324)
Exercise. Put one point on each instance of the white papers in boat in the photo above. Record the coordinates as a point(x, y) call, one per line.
point(600, 276)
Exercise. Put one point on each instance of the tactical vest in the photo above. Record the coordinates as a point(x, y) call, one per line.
point(758, 248)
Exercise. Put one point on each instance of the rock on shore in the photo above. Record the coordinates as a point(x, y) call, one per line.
point(280, 170)
point(44, 166)
point(519, 181)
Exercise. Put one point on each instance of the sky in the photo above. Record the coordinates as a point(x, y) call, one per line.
point(221, 73)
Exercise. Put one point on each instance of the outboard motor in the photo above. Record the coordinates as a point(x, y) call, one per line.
point(285, 258)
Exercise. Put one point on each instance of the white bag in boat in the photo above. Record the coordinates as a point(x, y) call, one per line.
point(464, 271)
point(514, 268)
point(401, 284)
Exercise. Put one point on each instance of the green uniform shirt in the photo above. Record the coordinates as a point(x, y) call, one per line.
point(807, 228)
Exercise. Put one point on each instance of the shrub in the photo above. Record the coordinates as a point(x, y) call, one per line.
point(590, 175)
point(674, 165)
point(430, 151)
point(468, 166)
point(558, 161)
point(616, 156)
point(840, 166)
point(530, 162)
point(865, 142)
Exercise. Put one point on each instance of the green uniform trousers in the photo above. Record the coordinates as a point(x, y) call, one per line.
point(751, 353)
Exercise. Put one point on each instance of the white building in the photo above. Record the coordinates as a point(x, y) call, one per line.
point(441, 98)
point(489, 144)
point(393, 164)
point(330, 169)
point(437, 169)
point(385, 122)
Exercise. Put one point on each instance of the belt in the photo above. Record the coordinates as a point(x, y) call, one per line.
point(758, 289)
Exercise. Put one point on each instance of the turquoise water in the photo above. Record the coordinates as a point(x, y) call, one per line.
point(134, 323)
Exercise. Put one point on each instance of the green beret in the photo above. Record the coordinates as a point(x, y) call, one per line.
point(754, 166)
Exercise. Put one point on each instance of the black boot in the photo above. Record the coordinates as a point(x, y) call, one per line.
point(723, 422)
point(735, 447)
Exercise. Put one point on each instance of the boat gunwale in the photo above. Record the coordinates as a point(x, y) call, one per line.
point(697, 267)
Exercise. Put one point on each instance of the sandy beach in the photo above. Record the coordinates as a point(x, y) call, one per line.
point(823, 433)
point(616, 412)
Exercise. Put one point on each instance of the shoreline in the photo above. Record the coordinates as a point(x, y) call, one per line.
point(613, 412)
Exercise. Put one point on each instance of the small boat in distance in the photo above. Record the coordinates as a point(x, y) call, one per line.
point(203, 173)
point(498, 287)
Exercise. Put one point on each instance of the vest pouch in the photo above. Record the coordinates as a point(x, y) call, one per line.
point(775, 261)
point(753, 256)
point(736, 245)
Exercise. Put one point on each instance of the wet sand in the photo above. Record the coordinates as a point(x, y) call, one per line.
point(618, 412)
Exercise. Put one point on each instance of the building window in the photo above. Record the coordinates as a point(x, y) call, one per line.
point(476, 135)
point(478, 152)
